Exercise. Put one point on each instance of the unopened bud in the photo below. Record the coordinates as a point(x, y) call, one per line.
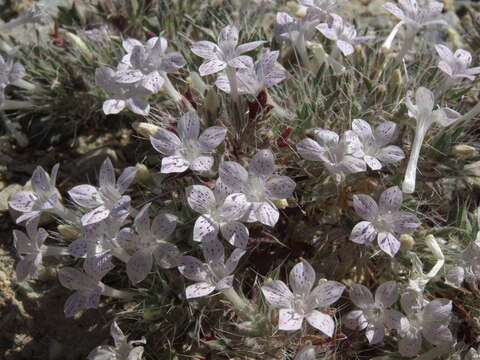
point(464, 151)
point(145, 129)
point(407, 241)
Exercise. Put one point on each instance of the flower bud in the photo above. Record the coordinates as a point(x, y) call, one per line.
point(407, 241)
point(145, 129)
point(464, 151)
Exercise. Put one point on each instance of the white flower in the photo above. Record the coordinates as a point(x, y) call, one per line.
point(425, 117)
point(265, 73)
point(375, 143)
point(125, 88)
point(214, 274)
point(456, 65)
point(415, 16)
point(43, 196)
point(219, 213)
point(374, 314)
point(149, 243)
point(107, 198)
point(384, 221)
point(10, 72)
point(258, 184)
point(467, 269)
point(428, 319)
point(190, 149)
point(226, 53)
point(29, 248)
point(122, 350)
point(340, 154)
point(343, 33)
point(303, 301)
point(86, 284)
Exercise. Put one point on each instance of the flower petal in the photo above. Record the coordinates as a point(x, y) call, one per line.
point(302, 278)
point(322, 322)
point(279, 187)
point(365, 207)
point(289, 320)
point(277, 294)
point(200, 198)
point(165, 142)
point(361, 296)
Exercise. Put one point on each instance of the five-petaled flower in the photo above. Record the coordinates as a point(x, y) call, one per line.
point(430, 320)
point(384, 221)
point(108, 198)
point(190, 149)
point(122, 350)
point(259, 185)
point(87, 284)
point(148, 243)
point(214, 274)
point(456, 64)
point(375, 143)
point(265, 73)
point(42, 198)
point(374, 314)
point(301, 303)
point(340, 154)
point(219, 213)
point(29, 248)
point(343, 33)
point(226, 54)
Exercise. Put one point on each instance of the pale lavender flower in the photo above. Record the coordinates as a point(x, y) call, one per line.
point(190, 149)
point(86, 283)
point(126, 90)
point(340, 154)
point(429, 319)
point(265, 73)
point(415, 16)
point(456, 65)
point(29, 248)
point(42, 198)
point(107, 198)
point(375, 143)
point(384, 221)
point(467, 269)
point(214, 274)
point(374, 314)
point(149, 243)
point(259, 185)
point(10, 72)
point(122, 350)
point(219, 213)
point(343, 33)
point(425, 117)
point(226, 54)
point(301, 303)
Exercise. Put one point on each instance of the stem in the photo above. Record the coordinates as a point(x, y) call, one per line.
point(408, 185)
point(15, 105)
point(25, 85)
point(245, 310)
point(232, 79)
point(50, 250)
point(407, 44)
point(119, 294)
